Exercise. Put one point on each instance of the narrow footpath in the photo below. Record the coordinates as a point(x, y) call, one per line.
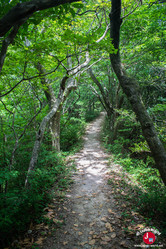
point(91, 214)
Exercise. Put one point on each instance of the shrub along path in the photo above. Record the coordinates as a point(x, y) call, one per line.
point(96, 215)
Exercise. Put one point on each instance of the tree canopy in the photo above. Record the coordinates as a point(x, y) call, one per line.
point(64, 61)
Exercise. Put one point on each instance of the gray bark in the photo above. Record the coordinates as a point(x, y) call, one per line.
point(55, 130)
point(66, 86)
point(39, 138)
point(54, 124)
point(105, 100)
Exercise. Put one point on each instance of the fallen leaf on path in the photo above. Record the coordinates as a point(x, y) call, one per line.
point(140, 226)
point(83, 243)
point(110, 211)
point(65, 243)
point(105, 232)
point(91, 232)
point(92, 224)
point(49, 215)
point(57, 221)
point(39, 241)
point(94, 236)
point(104, 219)
point(113, 235)
point(106, 238)
point(123, 243)
point(76, 225)
point(123, 193)
point(108, 225)
point(26, 241)
point(103, 242)
point(92, 242)
point(80, 233)
point(51, 206)
point(39, 226)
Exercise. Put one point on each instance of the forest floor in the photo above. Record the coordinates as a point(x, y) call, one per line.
point(95, 214)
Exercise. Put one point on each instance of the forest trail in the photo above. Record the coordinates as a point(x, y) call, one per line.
point(91, 214)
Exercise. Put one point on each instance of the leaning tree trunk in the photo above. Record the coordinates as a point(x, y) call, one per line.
point(131, 89)
point(55, 130)
point(39, 138)
point(67, 85)
point(63, 94)
point(54, 125)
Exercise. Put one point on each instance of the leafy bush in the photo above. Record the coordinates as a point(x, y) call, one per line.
point(71, 133)
point(20, 206)
point(153, 204)
point(91, 115)
point(152, 196)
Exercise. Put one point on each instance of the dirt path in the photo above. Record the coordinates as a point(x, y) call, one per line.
point(92, 217)
point(88, 204)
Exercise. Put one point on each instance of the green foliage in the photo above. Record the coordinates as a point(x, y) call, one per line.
point(151, 200)
point(19, 206)
point(71, 133)
point(153, 204)
point(49, 36)
point(91, 115)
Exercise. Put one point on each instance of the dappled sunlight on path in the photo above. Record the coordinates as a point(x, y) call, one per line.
point(90, 213)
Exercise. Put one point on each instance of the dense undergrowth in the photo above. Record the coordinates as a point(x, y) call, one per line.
point(151, 192)
point(20, 206)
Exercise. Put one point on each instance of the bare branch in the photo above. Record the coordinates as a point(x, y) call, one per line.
point(131, 12)
point(75, 70)
point(30, 78)
point(92, 65)
point(105, 32)
point(6, 107)
point(87, 11)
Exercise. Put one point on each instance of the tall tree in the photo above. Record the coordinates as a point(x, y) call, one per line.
point(131, 89)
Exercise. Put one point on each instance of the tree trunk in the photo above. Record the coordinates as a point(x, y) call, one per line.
point(55, 131)
point(39, 138)
point(105, 99)
point(131, 89)
point(22, 11)
point(119, 102)
point(54, 124)
point(68, 84)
